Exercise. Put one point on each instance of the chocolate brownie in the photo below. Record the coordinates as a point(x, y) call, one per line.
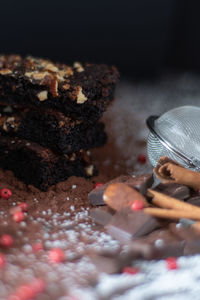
point(39, 166)
point(51, 129)
point(82, 91)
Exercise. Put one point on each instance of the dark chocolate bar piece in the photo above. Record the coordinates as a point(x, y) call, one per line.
point(144, 250)
point(186, 233)
point(109, 265)
point(82, 91)
point(51, 129)
point(126, 225)
point(101, 216)
point(194, 200)
point(139, 182)
point(39, 166)
point(174, 190)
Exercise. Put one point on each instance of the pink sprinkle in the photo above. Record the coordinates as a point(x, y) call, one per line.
point(38, 286)
point(2, 260)
point(130, 270)
point(171, 263)
point(25, 292)
point(6, 240)
point(56, 255)
point(23, 206)
point(137, 205)
point(5, 193)
point(18, 216)
point(37, 247)
point(142, 158)
point(97, 184)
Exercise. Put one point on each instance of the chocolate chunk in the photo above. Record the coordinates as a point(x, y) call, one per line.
point(161, 243)
point(126, 224)
point(142, 249)
point(139, 250)
point(139, 182)
point(161, 237)
point(96, 196)
point(185, 233)
point(192, 247)
point(175, 249)
point(119, 234)
point(109, 265)
point(174, 190)
point(194, 200)
point(101, 216)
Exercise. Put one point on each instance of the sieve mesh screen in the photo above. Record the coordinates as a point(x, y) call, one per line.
point(179, 128)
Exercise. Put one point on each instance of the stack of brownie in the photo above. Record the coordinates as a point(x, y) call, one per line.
point(49, 117)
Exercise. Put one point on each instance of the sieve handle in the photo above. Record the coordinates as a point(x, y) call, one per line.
point(192, 162)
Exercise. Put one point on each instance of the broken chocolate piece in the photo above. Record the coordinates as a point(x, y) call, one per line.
point(174, 190)
point(96, 196)
point(126, 225)
point(184, 233)
point(175, 249)
point(144, 250)
point(119, 234)
point(194, 200)
point(100, 216)
point(105, 264)
point(161, 237)
point(192, 247)
point(139, 182)
point(139, 250)
point(120, 195)
point(159, 244)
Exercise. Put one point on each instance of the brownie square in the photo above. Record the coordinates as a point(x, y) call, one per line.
point(51, 129)
point(81, 91)
point(39, 166)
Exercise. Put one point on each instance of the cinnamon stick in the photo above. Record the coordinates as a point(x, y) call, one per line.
point(172, 213)
point(165, 201)
point(170, 171)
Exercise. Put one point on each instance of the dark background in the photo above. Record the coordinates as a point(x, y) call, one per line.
point(141, 37)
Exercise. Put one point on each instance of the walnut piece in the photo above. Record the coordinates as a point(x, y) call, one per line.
point(73, 157)
point(5, 71)
point(81, 98)
point(36, 75)
point(61, 124)
point(50, 67)
point(66, 86)
point(78, 66)
point(89, 170)
point(10, 124)
point(68, 71)
point(42, 96)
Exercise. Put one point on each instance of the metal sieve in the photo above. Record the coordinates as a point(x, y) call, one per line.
point(175, 134)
